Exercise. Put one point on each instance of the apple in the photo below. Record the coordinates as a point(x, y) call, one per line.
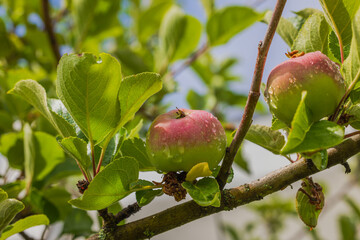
point(313, 72)
point(182, 138)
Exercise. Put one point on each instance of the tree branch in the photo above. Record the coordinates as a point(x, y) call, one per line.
point(50, 30)
point(253, 97)
point(190, 60)
point(231, 198)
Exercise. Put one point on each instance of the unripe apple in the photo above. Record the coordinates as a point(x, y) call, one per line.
point(313, 72)
point(182, 138)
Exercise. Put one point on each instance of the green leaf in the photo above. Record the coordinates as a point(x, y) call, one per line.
point(205, 192)
point(109, 185)
point(8, 209)
point(12, 147)
point(195, 100)
point(24, 224)
point(48, 154)
point(313, 35)
point(351, 67)
point(276, 124)
point(285, 28)
point(35, 94)
point(335, 48)
point(209, 6)
point(93, 18)
point(29, 155)
point(78, 222)
point(322, 135)
point(265, 137)
point(3, 195)
point(88, 85)
point(227, 22)
point(307, 12)
point(150, 20)
point(348, 228)
point(144, 197)
point(77, 149)
point(179, 34)
point(320, 159)
point(135, 148)
point(309, 211)
point(300, 125)
point(134, 91)
point(339, 14)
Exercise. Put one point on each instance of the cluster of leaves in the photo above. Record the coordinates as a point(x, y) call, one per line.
point(87, 111)
point(334, 32)
point(84, 114)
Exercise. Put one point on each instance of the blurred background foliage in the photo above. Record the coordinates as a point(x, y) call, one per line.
point(137, 34)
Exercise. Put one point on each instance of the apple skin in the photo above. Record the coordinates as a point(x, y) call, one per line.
point(313, 72)
point(176, 143)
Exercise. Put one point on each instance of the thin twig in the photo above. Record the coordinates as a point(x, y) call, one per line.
point(50, 30)
point(351, 134)
point(253, 97)
point(190, 60)
point(273, 182)
point(127, 212)
point(25, 236)
point(43, 233)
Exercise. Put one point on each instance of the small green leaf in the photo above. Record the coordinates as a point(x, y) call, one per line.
point(135, 148)
point(313, 35)
point(209, 6)
point(322, 135)
point(308, 210)
point(265, 137)
point(134, 91)
point(300, 125)
point(77, 149)
point(179, 34)
point(195, 100)
point(226, 23)
point(88, 85)
point(320, 159)
point(8, 209)
point(12, 146)
point(24, 224)
point(35, 94)
point(285, 28)
point(205, 192)
point(109, 185)
point(144, 197)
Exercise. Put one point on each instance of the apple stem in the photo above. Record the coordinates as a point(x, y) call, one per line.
point(180, 113)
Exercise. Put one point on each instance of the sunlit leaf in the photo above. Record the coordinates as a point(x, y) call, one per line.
point(88, 85)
